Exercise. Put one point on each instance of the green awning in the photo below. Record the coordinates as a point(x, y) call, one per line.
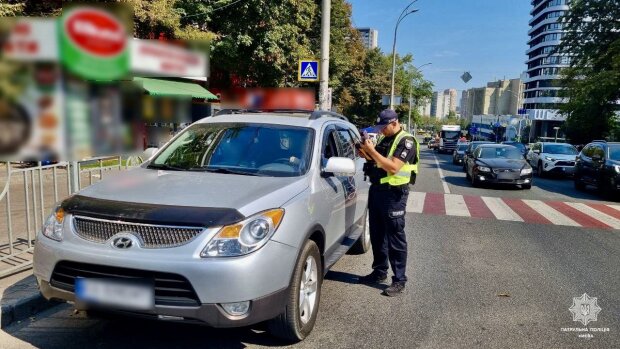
point(157, 87)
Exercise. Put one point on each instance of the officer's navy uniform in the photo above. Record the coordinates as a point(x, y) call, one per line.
point(386, 205)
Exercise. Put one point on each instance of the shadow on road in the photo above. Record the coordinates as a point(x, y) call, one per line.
point(349, 278)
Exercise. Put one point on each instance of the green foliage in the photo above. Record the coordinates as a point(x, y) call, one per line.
point(592, 81)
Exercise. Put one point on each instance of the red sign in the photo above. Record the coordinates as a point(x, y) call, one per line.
point(96, 32)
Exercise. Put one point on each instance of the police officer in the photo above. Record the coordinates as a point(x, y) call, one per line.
point(393, 164)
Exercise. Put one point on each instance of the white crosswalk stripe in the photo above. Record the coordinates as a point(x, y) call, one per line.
point(455, 205)
point(415, 202)
point(596, 214)
point(550, 213)
point(501, 210)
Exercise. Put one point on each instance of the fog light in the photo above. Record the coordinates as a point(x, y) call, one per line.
point(527, 181)
point(482, 178)
point(237, 308)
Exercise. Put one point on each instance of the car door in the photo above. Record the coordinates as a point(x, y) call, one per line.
point(598, 163)
point(532, 155)
point(585, 164)
point(332, 194)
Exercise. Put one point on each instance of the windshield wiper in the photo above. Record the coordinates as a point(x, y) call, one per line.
point(224, 170)
point(166, 167)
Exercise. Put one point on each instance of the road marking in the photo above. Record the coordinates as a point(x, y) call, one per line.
point(435, 204)
point(456, 206)
point(415, 202)
point(501, 210)
point(477, 207)
point(443, 179)
point(609, 220)
point(577, 215)
point(550, 213)
point(526, 212)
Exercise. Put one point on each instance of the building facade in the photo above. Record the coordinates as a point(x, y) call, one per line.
point(370, 37)
point(542, 82)
point(502, 97)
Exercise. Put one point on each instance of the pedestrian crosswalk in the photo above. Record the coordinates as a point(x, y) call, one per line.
point(575, 214)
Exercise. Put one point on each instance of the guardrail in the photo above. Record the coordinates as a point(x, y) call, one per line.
point(29, 194)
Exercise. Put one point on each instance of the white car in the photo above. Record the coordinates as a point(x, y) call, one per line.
point(547, 157)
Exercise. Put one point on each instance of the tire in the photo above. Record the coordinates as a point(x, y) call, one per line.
point(294, 325)
point(362, 245)
point(539, 170)
point(526, 186)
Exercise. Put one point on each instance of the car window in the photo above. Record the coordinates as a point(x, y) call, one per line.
point(560, 149)
point(598, 151)
point(614, 152)
point(240, 148)
point(329, 147)
point(347, 146)
point(499, 153)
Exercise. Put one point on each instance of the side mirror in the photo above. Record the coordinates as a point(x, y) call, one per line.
point(339, 167)
point(149, 152)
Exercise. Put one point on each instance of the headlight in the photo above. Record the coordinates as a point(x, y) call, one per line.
point(52, 228)
point(484, 169)
point(244, 237)
point(617, 168)
point(526, 171)
point(549, 158)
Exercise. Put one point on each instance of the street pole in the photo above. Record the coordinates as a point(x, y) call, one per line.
point(324, 69)
point(403, 14)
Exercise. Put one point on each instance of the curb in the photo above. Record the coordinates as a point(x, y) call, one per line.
point(23, 309)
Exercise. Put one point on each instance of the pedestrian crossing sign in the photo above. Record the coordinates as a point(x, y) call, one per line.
point(308, 70)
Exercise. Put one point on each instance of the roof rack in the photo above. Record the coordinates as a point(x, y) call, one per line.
point(599, 141)
point(320, 113)
point(314, 114)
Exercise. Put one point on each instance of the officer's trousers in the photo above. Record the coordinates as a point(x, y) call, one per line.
point(387, 208)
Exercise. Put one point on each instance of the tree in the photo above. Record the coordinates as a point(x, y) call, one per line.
point(592, 81)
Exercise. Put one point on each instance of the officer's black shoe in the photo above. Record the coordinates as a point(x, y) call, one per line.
point(376, 277)
point(395, 289)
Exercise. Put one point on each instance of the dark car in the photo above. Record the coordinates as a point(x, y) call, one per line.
point(517, 145)
point(598, 165)
point(471, 148)
point(459, 153)
point(498, 164)
point(432, 144)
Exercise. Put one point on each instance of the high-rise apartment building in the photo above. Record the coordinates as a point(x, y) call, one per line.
point(502, 97)
point(370, 37)
point(442, 103)
point(544, 66)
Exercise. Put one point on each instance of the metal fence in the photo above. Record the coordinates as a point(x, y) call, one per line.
point(29, 193)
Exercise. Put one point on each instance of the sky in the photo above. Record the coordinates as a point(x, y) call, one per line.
point(488, 38)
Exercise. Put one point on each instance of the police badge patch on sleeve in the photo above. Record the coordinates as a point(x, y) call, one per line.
point(404, 154)
point(408, 144)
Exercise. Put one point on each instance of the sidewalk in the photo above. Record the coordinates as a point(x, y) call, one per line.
point(20, 298)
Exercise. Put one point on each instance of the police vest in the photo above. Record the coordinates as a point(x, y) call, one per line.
point(403, 176)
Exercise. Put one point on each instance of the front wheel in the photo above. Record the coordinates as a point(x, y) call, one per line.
point(299, 316)
point(362, 245)
point(539, 170)
point(526, 186)
point(579, 184)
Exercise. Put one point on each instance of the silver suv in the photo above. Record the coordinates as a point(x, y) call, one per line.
point(233, 222)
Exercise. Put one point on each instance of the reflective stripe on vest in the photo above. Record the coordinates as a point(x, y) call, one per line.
point(403, 176)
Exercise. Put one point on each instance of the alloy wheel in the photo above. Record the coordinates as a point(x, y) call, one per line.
point(308, 290)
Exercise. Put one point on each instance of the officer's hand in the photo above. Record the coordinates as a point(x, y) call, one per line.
point(367, 146)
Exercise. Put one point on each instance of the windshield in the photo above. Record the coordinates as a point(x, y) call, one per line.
point(614, 152)
point(462, 147)
point(246, 149)
point(500, 153)
point(476, 145)
point(450, 134)
point(560, 149)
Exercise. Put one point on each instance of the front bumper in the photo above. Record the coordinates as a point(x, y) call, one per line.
point(559, 167)
point(494, 178)
point(262, 277)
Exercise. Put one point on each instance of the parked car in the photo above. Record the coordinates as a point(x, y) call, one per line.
point(498, 164)
point(598, 165)
point(471, 147)
point(548, 158)
point(234, 222)
point(522, 148)
point(459, 153)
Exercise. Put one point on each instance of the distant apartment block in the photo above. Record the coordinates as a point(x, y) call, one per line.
point(443, 103)
point(502, 97)
point(370, 37)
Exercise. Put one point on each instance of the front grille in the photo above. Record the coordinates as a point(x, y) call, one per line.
point(506, 170)
point(150, 236)
point(565, 163)
point(170, 289)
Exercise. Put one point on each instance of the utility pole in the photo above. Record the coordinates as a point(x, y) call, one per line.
point(324, 103)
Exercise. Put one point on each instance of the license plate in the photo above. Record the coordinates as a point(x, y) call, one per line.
point(506, 175)
point(138, 295)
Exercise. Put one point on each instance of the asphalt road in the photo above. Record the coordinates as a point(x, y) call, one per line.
point(483, 283)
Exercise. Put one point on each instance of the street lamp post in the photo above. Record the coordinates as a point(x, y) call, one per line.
point(411, 99)
point(556, 128)
point(406, 12)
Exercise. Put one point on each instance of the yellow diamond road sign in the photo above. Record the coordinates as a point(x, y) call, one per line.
point(308, 70)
